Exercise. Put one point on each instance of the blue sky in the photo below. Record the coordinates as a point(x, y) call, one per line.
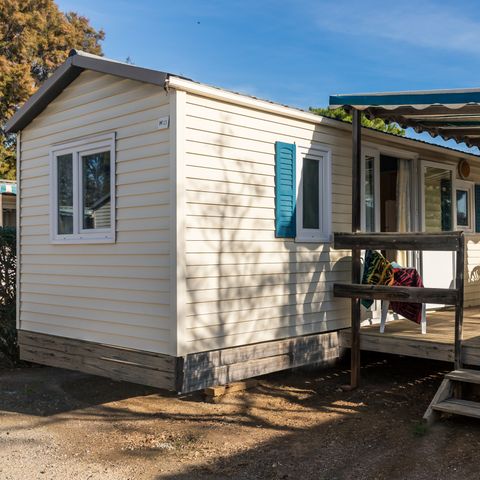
point(297, 52)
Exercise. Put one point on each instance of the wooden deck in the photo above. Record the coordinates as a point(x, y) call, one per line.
point(403, 337)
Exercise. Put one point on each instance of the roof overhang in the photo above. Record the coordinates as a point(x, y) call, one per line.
point(64, 75)
point(450, 114)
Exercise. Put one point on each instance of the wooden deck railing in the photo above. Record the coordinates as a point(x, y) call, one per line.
point(448, 241)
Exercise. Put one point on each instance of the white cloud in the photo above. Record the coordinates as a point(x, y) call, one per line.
point(420, 23)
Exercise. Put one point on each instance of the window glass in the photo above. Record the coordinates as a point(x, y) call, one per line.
point(311, 197)
point(65, 194)
point(369, 194)
point(96, 190)
point(438, 200)
point(462, 208)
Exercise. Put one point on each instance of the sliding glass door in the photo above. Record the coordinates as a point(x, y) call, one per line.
point(370, 194)
point(387, 200)
point(438, 198)
point(387, 193)
point(438, 205)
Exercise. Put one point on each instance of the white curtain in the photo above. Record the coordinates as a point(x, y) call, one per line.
point(404, 194)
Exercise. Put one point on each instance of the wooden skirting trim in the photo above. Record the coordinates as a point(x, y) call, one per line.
point(220, 367)
point(183, 374)
point(146, 368)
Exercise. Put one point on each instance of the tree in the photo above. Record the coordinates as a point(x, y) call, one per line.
point(377, 123)
point(35, 38)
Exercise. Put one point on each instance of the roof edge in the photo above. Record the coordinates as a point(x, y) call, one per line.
point(268, 106)
point(87, 61)
point(67, 72)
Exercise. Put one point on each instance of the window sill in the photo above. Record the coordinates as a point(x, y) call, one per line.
point(320, 239)
point(80, 240)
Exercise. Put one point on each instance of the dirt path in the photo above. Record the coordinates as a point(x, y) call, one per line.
point(56, 424)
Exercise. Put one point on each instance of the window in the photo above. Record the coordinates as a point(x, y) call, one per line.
point(464, 202)
point(313, 195)
point(83, 191)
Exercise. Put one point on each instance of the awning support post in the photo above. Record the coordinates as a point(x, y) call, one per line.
point(459, 285)
point(356, 267)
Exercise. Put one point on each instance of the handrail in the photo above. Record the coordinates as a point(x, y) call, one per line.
point(445, 296)
point(445, 241)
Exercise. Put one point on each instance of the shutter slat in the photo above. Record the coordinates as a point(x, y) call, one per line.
point(285, 190)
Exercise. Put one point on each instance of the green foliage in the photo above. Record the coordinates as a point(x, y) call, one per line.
point(8, 261)
point(420, 429)
point(377, 123)
point(35, 37)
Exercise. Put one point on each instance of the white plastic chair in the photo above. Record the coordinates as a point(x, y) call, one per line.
point(383, 318)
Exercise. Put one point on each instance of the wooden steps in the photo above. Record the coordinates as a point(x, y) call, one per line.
point(464, 375)
point(459, 407)
point(444, 400)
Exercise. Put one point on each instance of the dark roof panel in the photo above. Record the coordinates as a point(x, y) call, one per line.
point(450, 114)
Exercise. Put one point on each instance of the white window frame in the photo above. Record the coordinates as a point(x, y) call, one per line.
point(444, 166)
point(375, 154)
point(469, 187)
point(324, 157)
point(79, 148)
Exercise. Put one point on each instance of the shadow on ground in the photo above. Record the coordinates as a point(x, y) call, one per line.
point(46, 391)
point(294, 425)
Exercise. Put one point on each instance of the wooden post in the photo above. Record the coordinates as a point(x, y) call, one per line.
point(459, 286)
point(356, 211)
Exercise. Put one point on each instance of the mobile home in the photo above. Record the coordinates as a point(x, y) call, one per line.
point(180, 235)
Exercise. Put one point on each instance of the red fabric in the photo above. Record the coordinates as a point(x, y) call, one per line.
point(407, 277)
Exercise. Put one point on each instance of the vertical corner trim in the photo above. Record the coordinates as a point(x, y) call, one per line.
point(17, 214)
point(178, 100)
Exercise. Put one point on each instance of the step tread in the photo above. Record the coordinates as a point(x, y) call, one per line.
point(464, 375)
point(459, 407)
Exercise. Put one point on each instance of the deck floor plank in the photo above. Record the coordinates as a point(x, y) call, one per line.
point(403, 337)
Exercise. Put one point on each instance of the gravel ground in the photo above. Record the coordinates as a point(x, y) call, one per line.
point(56, 424)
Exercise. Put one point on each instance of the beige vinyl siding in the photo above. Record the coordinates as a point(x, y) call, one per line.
point(472, 270)
point(472, 260)
point(119, 293)
point(243, 285)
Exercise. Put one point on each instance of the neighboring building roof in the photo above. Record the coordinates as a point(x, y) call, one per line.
point(64, 75)
point(451, 114)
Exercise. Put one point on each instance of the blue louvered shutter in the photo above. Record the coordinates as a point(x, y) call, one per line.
point(477, 208)
point(285, 190)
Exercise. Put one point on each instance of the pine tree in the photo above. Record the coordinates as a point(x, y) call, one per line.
point(35, 37)
point(376, 123)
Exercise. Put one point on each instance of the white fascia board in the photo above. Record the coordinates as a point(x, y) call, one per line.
point(251, 102)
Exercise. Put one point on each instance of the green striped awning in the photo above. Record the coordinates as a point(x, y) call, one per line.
point(450, 114)
point(8, 187)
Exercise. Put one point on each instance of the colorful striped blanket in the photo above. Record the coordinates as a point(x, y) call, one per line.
point(407, 277)
point(378, 270)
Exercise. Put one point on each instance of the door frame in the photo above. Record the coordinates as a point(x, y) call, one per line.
point(376, 150)
point(375, 153)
